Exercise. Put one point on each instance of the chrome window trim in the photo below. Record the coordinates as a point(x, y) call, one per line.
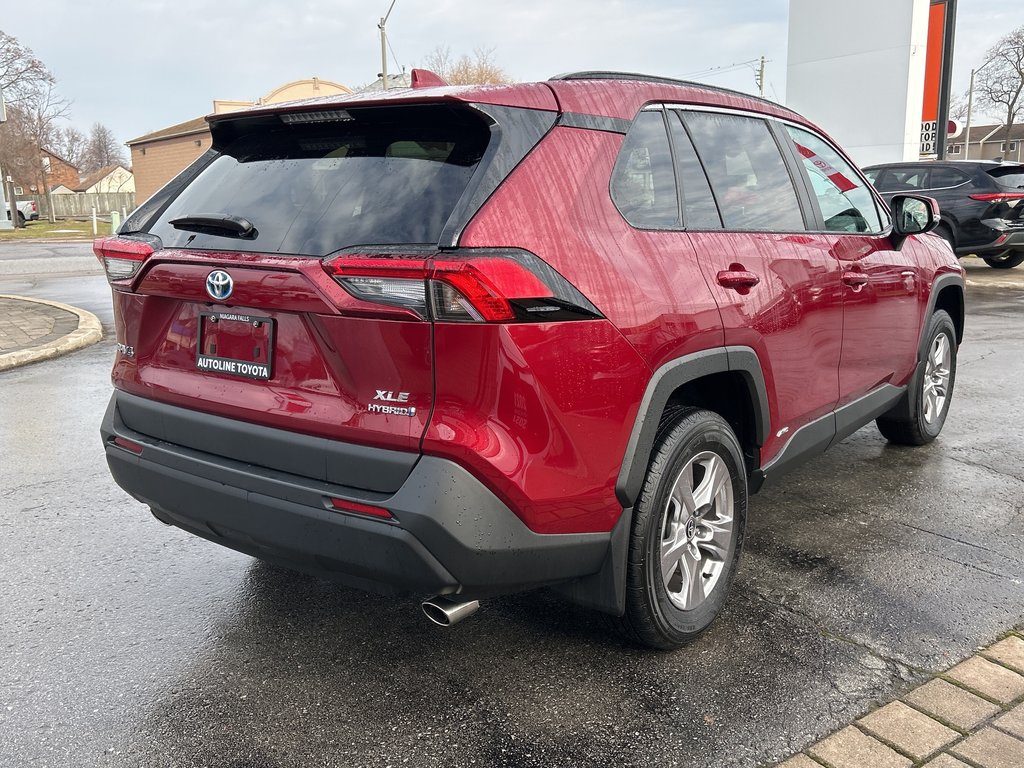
point(880, 205)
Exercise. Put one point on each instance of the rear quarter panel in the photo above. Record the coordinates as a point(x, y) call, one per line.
point(553, 421)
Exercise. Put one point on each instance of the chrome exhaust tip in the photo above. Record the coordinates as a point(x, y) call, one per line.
point(446, 612)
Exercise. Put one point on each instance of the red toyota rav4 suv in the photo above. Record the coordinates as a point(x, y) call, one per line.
point(469, 341)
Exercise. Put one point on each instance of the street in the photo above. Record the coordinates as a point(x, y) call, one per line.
point(127, 643)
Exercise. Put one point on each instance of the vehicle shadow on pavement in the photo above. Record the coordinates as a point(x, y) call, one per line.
point(306, 672)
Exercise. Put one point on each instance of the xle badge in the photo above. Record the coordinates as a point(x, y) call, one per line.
point(387, 396)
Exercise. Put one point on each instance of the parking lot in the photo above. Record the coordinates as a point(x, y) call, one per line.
point(130, 643)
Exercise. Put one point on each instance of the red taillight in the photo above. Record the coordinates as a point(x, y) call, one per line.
point(466, 286)
point(391, 280)
point(35, 208)
point(355, 507)
point(486, 284)
point(998, 197)
point(121, 257)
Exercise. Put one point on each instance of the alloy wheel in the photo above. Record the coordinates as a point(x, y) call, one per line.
point(697, 530)
point(936, 378)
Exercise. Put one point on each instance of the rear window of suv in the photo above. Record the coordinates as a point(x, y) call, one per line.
point(1011, 177)
point(370, 176)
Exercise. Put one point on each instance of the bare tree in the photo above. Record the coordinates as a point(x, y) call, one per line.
point(30, 127)
point(34, 126)
point(22, 75)
point(69, 143)
point(1001, 84)
point(18, 150)
point(478, 69)
point(101, 149)
point(958, 107)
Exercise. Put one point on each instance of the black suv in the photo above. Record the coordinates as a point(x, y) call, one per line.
point(980, 200)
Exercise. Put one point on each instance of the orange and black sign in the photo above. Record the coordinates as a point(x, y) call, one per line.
point(937, 77)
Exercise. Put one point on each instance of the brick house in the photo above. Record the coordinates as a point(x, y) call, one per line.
point(58, 172)
point(159, 156)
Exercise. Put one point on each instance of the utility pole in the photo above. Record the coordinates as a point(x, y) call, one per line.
point(384, 47)
point(970, 108)
point(4, 224)
point(760, 77)
point(44, 163)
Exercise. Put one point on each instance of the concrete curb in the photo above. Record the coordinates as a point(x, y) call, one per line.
point(89, 331)
point(48, 239)
point(1019, 284)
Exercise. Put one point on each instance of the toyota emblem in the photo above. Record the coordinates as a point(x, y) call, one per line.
point(219, 285)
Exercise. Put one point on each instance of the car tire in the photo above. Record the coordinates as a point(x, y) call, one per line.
point(1009, 261)
point(943, 230)
point(924, 413)
point(21, 218)
point(687, 531)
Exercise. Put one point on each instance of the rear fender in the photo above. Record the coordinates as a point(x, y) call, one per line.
point(667, 380)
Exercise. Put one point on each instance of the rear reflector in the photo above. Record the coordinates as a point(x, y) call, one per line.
point(122, 257)
point(360, 509)
point(128, 445)
point(995, 197)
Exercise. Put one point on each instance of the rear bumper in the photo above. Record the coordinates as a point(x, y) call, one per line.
point(1007, 241)
point(450, 534)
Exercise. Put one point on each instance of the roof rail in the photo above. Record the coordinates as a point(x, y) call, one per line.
point(601, 75)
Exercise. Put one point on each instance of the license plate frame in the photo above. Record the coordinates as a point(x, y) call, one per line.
point(225, 329)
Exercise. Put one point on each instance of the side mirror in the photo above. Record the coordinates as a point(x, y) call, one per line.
point(912, 215)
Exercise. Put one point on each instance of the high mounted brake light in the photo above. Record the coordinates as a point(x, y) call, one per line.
point(317, 116)
point(122, 257)
point(464, 286)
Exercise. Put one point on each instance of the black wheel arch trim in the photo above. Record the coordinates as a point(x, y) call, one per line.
point(666, 380)
point(941, 283)
point(908, 403)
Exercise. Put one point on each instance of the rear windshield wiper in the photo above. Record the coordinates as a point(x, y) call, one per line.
point(220, 224)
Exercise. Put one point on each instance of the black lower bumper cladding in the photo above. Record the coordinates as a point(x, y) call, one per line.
point(449, 535)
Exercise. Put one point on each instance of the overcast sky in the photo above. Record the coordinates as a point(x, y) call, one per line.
point(142, 65)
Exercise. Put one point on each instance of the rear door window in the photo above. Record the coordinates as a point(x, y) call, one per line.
point(946, 178)
point(378, 176)
point(906, 179)
point(846, 202)
point(700, 211)
point(643, 185)
point(747, 172)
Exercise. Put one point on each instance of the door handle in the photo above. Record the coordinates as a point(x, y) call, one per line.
point(738, 279)
point(855, 279)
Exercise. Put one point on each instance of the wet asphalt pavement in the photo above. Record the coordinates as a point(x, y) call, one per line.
point(128, 643)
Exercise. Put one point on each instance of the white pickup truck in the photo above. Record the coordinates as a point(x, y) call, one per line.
point(27, 210)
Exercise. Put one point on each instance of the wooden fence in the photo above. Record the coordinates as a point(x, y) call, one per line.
point(80, 204)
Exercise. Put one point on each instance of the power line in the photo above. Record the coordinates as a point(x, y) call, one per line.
point(723, 69)
point(393, 55)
